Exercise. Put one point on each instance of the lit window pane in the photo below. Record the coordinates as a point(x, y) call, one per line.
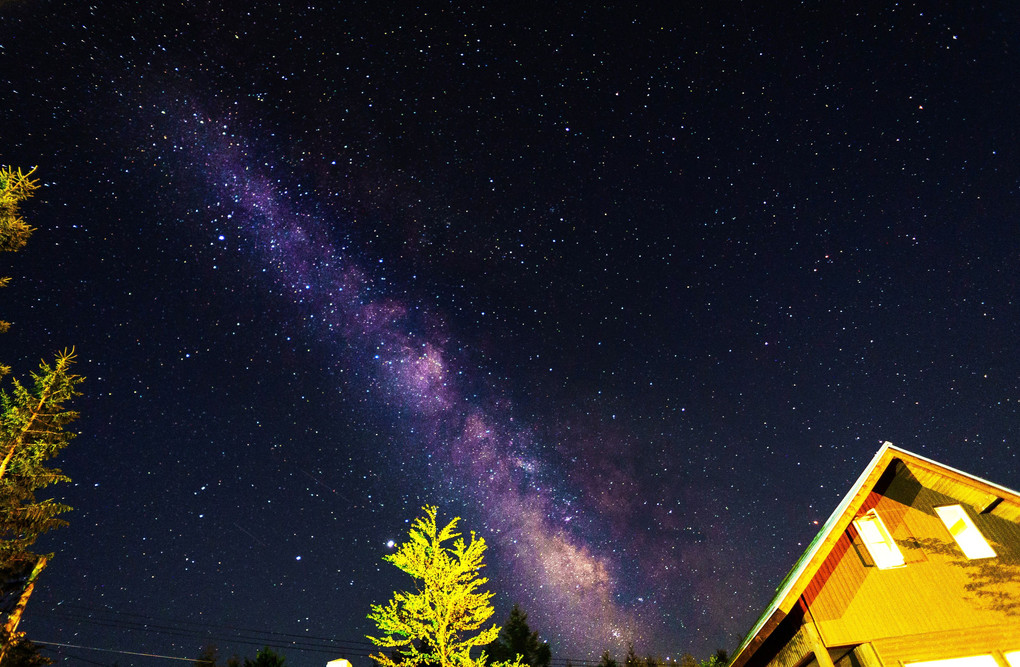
point(1013, 658)
point(963, 530)
point(969, 661)
point(878, 541)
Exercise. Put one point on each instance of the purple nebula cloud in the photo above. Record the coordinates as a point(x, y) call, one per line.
point(492, 461)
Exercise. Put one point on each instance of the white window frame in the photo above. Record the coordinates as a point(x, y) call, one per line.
point(967, 535)
point(878, 541)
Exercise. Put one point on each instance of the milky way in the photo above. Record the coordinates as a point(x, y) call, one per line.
point(488, 460)
point(635, 292)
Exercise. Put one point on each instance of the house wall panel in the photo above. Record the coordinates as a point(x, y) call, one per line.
point(794, 653)
point(945, 644)
point(938, 590)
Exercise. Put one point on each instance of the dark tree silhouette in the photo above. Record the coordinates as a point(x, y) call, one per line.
point(517, 639)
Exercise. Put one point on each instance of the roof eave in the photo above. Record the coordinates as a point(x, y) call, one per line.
point(789, 590)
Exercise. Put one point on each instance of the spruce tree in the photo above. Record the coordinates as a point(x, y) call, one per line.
point(442, 620)
point(267, 657)
point(517, 639)
point(33, 429)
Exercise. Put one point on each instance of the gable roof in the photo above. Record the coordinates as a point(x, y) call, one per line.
point(977, 492)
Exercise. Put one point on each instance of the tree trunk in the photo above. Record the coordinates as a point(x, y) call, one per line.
point(11, 627)
point(44, 397)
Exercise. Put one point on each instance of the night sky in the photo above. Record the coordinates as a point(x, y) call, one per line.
point(636, 292)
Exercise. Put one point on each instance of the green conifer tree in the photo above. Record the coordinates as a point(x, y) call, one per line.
point(33, 429)
point(517, 639)
point(266, 657)
point(15, 187)
point(442, 620)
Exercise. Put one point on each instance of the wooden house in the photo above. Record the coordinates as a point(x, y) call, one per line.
point(919, 566)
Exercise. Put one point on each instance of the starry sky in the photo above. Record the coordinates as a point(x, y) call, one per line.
point(636, 292)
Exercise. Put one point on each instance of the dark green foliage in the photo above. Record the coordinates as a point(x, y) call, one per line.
point(516, 638)
point(718, 659)
point(632, 660)
point(608, 661)
point(210, 654)
point(267, 657)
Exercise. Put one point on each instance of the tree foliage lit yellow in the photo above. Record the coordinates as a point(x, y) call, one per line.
point(34, 424)
point(440, 622)
point(15, 187)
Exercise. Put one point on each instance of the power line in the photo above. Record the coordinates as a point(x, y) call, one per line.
point(234, 634)
point(203, 626)
point(290, 645)
point(75, 656)
point(113, 650)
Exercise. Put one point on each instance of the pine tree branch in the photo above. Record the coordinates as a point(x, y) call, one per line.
point(55, 382)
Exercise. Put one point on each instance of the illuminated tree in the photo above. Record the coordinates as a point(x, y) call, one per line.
point(440, 622)
point(15, 187)
point(720, 658)
point(32, 430)
point(33, 423)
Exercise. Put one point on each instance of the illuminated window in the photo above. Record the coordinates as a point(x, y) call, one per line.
point(878, 541)
point(963, 530)
point(969, 661)
point(1013, 658)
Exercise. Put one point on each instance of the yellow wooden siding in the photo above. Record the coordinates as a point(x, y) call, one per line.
point(798, 653)
point(966, 491)
point(794, 652)
point(938, 589)
point(949, 644)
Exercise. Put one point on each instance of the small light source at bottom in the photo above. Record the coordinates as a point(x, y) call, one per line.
point(339, 662)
